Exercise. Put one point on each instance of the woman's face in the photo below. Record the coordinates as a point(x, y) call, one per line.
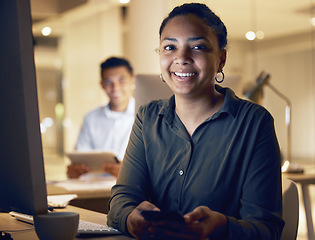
point(190, 56)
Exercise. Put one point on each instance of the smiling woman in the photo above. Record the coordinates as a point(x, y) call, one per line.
point(190, 57)
point(204, 152)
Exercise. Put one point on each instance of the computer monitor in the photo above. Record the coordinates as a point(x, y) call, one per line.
point(22, 176)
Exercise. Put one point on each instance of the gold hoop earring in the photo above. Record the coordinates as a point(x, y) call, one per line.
point(220, 81)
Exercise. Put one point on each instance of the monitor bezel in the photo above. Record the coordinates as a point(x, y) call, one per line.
point(22, 178)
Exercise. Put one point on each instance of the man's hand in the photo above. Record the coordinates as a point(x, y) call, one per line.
point(112, 168)
point(76, 170)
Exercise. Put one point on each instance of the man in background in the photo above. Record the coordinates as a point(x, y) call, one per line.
point(107, 128)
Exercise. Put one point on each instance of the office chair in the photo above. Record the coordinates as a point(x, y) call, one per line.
point(290, 212)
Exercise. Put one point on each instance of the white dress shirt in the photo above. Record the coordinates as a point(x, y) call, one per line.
point(107, 130)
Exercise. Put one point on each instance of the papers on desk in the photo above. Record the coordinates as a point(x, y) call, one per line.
point(89, 182)
point(60, 201)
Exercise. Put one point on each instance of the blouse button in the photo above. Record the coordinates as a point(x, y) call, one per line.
point(181, 172)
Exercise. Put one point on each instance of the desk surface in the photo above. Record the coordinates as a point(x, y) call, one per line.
point(53, 189)
point(9, 223)
point(88, 188)
point(92, 194)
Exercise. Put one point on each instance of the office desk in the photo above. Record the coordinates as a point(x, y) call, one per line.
point(92, 195)
point(9, 223)
point(305, 180)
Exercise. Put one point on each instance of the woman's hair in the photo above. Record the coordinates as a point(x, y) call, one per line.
point(204, 13)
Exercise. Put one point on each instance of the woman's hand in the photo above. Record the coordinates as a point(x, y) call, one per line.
point(136, 224)
point(203, 221)
point(199, 224)
point(76, 170)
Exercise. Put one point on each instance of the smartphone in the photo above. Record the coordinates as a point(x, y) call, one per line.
point(173, 216)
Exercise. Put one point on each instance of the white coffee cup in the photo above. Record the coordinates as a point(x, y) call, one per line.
point(56, 225)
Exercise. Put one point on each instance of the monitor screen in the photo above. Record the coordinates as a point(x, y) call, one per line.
point(22, 177)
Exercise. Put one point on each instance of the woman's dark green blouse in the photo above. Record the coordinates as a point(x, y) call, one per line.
point(231, 164)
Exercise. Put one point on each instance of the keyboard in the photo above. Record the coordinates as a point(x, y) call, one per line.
point(85, 227)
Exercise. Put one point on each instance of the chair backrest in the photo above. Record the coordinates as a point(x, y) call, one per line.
point(290, 213)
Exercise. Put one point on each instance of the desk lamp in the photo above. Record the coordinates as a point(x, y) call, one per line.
point(253, 94)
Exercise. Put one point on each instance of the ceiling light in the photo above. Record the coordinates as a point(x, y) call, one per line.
point(313, 21)
point(250, 35)
point(124, 1)
point(46, 31)
point(260, 34)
